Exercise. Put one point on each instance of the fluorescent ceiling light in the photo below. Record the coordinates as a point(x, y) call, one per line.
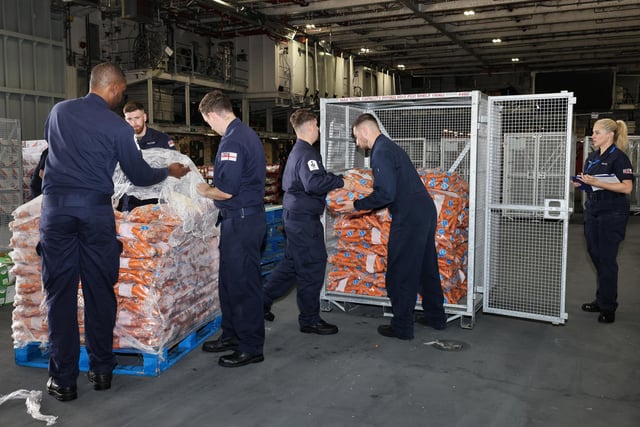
point(469, 13)
point(497, 40)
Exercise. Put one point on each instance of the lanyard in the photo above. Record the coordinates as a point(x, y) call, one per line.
point(591, 163)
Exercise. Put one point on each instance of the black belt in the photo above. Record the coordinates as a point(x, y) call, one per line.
point(242, 212)
point(75, 200)
point(603, 195)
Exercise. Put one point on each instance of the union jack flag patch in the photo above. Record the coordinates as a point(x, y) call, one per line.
point(228, 155)
point(629, 171)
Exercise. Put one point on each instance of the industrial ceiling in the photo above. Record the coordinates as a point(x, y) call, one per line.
point(435, 37)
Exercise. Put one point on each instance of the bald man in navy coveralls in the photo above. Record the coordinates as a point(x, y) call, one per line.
point(412, 265)
point(77, 227)
point(238, 192)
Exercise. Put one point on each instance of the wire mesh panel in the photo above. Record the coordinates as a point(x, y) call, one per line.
point(438, 132)
point(10, 176)
point(528, 191)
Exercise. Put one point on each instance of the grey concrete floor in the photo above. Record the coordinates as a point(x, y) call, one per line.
point(511, 372)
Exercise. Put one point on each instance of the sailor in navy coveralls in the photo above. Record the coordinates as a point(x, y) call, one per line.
point(77, 227)
point(606, 211)
point(305, 183)
point(146, 138)
point(412, 265)
point(238, 192)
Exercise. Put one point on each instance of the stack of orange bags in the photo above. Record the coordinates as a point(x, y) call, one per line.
point(164, 289)
point(450, 193)
point(29, 314)
point(358, 265)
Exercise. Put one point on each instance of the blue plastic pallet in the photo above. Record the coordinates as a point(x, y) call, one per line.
point(273, 246)
point(273, 213)
point(150, 364)
point(275, 229)
point(268, 263)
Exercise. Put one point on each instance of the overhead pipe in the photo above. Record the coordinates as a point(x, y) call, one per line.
point(250, 16)
point(316, 89)
point(306, 66)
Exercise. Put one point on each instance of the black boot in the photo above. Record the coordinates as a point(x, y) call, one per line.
point(268, 315)
point(591, 307)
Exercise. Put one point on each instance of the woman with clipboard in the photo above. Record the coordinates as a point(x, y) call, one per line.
point(607, 179)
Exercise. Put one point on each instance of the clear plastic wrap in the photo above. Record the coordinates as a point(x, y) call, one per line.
point(33, 398)
point(168, 278)
point(198, 214)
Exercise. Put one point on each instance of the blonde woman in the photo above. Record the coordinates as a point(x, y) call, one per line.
point(606, 211)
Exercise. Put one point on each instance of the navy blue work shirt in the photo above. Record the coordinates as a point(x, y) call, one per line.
point(86, 140)
point(155, 139)
point(305, 181)
point(395, 180)
point(240, 167)
point(612, 161)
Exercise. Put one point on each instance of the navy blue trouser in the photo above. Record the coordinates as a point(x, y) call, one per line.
point(412, 268)
point(240, 280)
point(605, 223)
point(304, 262)
point(78, 242)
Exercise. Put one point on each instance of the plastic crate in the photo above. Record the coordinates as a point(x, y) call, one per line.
point(4, 284)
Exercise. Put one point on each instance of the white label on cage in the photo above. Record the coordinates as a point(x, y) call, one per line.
point(376, 237)
point(342, 284)
point(313, 165)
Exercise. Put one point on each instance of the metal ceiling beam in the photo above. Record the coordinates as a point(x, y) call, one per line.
point(525, 32)
point(411, 4)
point(365, 27)
point(320, 6)
point(567, 19)
point(549, 41)
point(354, 16)
point(459, 5)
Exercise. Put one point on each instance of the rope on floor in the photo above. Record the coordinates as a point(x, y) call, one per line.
point(33, 399)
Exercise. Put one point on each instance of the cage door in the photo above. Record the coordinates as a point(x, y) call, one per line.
point(527, 210)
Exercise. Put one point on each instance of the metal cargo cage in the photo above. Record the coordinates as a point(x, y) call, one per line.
point(440, 132)
point(11, 181)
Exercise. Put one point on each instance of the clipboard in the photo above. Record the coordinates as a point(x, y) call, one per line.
point(605, 177)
